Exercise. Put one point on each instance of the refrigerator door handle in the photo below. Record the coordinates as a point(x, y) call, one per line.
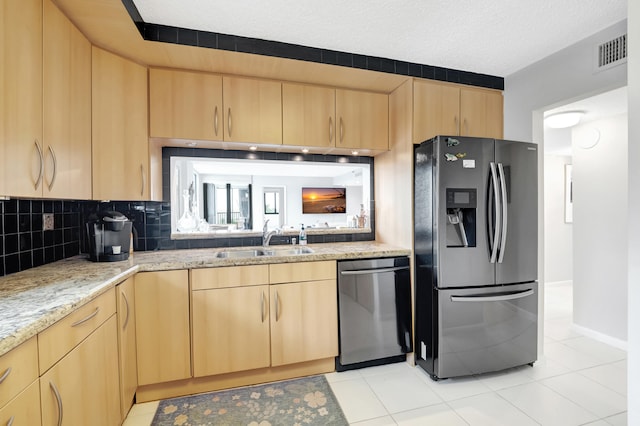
point(499, 298)
point(505, 217)
point(497, 217)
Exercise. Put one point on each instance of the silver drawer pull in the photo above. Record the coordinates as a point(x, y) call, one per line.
point(5, 375)
point(374, 271)
point(58, 400)
point(10, 422)
point(87, 318)
point(499, 298)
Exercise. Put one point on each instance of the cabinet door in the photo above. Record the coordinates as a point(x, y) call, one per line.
point(436, 110)
point(127, 344)
point(120, 151)
point(362, 120)
point(21, 98)
point(66, 108)
point(185, 105)
point(84, 384)
point(308, 115)
point(252, 110)
point(481, 113)
point(23, 409)
point(304, 322)
point(162, 326)
point(230, 330)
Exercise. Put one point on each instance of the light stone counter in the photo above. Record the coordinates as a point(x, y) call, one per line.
point(32, 300)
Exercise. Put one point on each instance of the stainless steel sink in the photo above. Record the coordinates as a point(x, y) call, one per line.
point(239, 253)
point(287, 251)
point(290, 251)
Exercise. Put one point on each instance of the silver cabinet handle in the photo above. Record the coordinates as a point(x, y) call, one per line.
point(87, 318)
point(500, 298)
point(503, 187)
point(215, 121)
point(144, 183)
point(55, 167)
point(498, 213)
point(374, 271)
point(341, 130)
point(466, 128)
point(330, 129)
point(5, 375)
point(41, 171)
point(58, 400)
point(229, 121)
point(455, 123)
point(262, 307)
point(10, 422)
point(277, 306)
point(126, 304)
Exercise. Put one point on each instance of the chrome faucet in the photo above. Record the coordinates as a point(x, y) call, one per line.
point(266, 234)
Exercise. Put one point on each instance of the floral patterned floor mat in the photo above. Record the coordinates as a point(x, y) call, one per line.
point(306, 401)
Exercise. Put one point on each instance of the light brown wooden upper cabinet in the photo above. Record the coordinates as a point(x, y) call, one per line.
point(308, 115)
point(120, 146)
point(436, 110)
point(21, 98)
point(185, 105)
point(481, 112)
point(448, 109)
point(252, 110)
point(66, 108)
point(362, 120)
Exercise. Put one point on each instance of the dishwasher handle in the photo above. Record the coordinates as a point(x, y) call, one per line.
point(374, 271)
point(499, 298)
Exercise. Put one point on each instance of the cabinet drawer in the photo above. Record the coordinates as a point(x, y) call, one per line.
point(304, 271)
point(232, 276)
point(18, 368)
point(64, 335)
point(23, 409)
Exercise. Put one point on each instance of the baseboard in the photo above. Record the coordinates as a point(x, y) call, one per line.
point(601, 337)
point(558, 283)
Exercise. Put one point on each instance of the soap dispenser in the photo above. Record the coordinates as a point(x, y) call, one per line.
point(303, 235)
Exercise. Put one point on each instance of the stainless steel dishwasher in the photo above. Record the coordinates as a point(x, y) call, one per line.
point(374, 300)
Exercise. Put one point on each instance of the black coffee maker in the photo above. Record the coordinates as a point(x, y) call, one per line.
point(109, 235)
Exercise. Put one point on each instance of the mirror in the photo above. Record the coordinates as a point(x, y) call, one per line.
point(221, 197)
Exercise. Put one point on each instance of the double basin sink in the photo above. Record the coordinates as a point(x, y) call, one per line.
point(288, 251)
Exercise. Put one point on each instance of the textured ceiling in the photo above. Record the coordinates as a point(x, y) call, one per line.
point(495, 37)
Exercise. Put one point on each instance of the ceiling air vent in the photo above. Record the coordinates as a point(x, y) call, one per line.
point(611, 53)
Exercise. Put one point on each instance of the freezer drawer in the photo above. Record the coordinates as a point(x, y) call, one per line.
point(486, 329)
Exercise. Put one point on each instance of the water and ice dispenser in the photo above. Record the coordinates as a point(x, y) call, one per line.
point(461, 205)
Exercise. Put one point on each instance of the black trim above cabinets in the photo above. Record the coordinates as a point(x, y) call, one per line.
point(211, 40)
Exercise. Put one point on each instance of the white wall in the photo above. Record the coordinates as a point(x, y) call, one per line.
point(600, 228)
point(559, 78)
point(558, 235)
point(633, 357)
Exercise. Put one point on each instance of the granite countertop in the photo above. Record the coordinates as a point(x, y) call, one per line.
point(32, 300)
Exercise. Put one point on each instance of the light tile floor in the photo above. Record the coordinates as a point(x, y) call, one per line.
point(579, 381)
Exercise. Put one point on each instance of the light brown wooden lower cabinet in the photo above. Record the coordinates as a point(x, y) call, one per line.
point(127, 343)
point(163, 344)
point(304, 322)
point(83, 387)
point(230, 330)
point(23, 409)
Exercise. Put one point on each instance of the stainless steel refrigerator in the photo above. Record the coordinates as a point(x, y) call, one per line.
point(475, 242)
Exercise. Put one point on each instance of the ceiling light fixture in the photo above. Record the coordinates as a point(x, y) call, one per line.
point(253, 148)
point(305, 150)
point(354, 152)
point(562, 120)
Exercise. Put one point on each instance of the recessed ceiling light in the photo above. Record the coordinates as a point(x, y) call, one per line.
point(253, 148)
point(354, 152)
point(305, 150)
point(562, 120)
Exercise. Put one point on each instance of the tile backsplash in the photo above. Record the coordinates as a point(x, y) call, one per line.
point(24, 244)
